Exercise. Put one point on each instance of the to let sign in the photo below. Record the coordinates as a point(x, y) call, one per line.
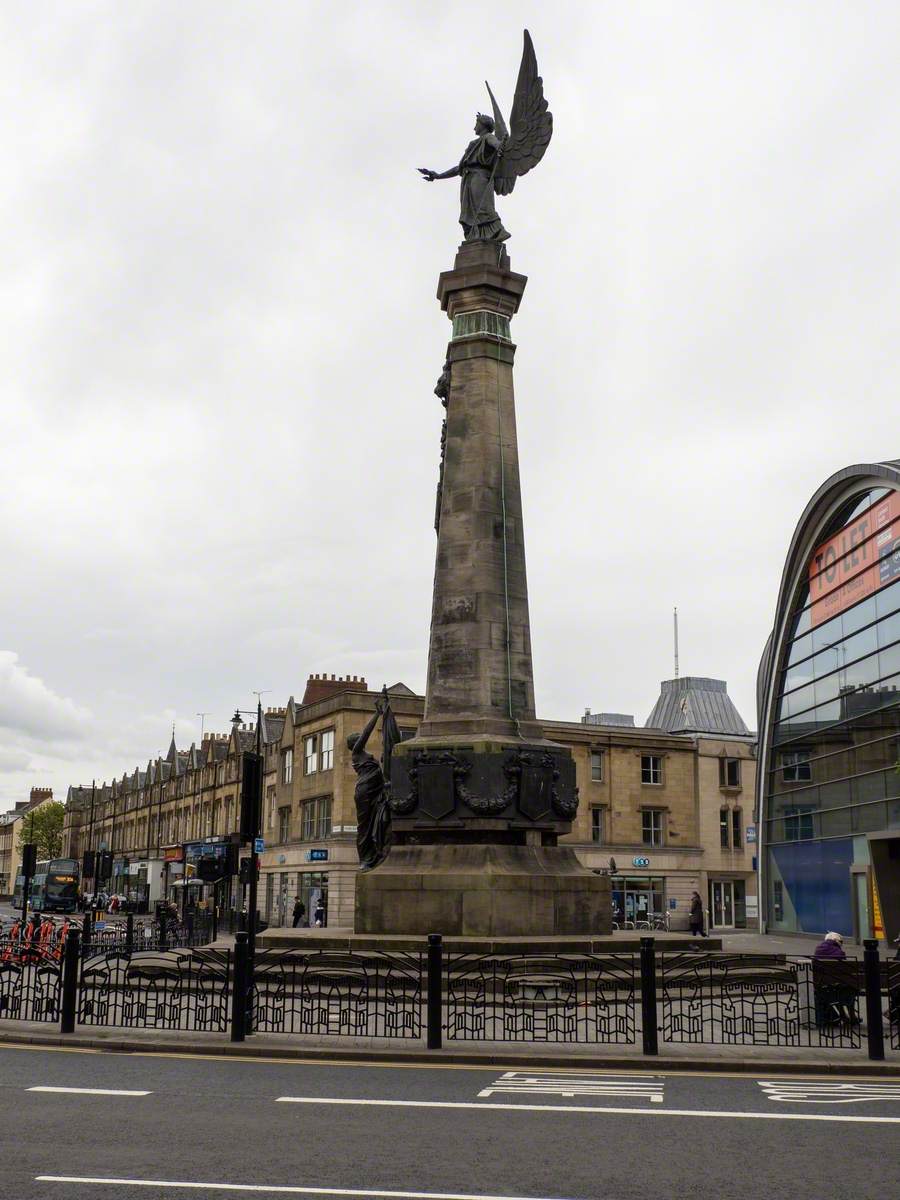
point(856, 561)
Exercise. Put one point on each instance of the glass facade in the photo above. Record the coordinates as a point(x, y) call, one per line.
point(831, 771)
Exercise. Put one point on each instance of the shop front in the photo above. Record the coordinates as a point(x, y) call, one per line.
point(173, 871)
point(209, 870)
point(284, 888)
point(638, 899)
point(142, 883)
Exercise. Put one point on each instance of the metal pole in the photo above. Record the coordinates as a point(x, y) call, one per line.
point(90, 842)
point(648, 995)
point(874, 1019)
point(26, 887)
point(254, 860)
point(435, 973)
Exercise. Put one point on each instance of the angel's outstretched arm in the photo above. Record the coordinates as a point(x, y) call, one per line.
point(431, 176)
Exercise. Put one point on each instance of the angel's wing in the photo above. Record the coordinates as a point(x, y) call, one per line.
point(531, 125)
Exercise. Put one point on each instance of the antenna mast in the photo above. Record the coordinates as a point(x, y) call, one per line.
point(675, 618)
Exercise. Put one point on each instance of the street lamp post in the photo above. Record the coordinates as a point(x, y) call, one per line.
point(255, 831)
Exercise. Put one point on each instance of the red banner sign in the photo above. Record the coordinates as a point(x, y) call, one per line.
point(863, 557)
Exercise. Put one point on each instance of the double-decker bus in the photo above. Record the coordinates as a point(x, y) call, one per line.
point(54, 886)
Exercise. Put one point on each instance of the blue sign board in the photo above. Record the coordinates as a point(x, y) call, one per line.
point(640, 862)
point(317, 856)
point(259, 845)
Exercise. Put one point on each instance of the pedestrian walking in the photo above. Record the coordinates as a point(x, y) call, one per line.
point(299, 912)
point(319, 914)
point(696, 917)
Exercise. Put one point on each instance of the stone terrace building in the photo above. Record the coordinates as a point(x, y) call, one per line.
point(671, 802)
point(10, 828)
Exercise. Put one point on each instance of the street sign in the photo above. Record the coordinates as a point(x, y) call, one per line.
point(259, 845)
point(751, 834)
point(317, 856)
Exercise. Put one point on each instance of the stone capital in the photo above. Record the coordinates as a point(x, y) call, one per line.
point(481, 279)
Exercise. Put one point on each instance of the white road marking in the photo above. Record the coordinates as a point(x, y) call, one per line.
point(590, 1108)
point(518, 1083)
point(88, 1091)
point(281, 1189)
point(807, 1092)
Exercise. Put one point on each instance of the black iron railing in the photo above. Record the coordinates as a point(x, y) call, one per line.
point(529, 998)
point(329, 993)
point(156, 989)
point(892, 980)
point(659, 996)
point(760, 1000)
point(30, 981)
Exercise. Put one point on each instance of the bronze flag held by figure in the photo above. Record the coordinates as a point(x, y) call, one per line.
point(498, 156)
point(373, 814)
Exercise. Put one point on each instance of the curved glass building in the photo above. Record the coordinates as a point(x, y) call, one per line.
point(829, 716)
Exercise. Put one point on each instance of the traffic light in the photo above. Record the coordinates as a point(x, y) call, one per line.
point(104, 866)
point(251, 776)
point(245, 871)
point(29, 859)
point(210, 869)
point(87, 865)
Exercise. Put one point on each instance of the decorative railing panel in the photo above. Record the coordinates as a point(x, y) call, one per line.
point(761, 1000)
point(147, 935)
point(171, 989)
point(891, 971)
point(30, 981)
point(563, 998)
point(330, 993)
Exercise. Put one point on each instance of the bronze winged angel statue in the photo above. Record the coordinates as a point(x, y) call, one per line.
point(497, 156)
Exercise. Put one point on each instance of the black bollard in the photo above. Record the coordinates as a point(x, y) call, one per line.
point(648, 995)
point(69, 983)
point(239, 989)
point(874, 1019)
point(435, 980)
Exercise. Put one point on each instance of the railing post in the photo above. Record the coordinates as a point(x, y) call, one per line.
point(69, 982)
point(163, 927)
point(648, 995)
point(86, 932)
point(434, 984)
point(129, 933)
point(874, 1020)
point(239, 989)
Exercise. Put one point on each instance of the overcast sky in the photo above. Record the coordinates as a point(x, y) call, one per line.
point(219, 339)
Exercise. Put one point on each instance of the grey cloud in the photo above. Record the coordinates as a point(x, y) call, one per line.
point(221, 339)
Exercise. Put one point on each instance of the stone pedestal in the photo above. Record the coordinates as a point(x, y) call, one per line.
point(482, 890)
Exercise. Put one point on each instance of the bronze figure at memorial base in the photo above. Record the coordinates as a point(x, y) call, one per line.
point(498, 155)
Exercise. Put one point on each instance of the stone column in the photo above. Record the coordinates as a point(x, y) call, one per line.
point(480, 678)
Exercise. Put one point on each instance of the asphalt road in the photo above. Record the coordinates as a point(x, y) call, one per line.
point(404, 1132)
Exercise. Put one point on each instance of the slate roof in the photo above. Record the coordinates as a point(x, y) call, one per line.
point(695, 704)
point(272, 729)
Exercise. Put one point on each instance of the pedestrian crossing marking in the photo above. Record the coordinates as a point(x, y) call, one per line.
point(519, 1083)
point(829, 1092)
